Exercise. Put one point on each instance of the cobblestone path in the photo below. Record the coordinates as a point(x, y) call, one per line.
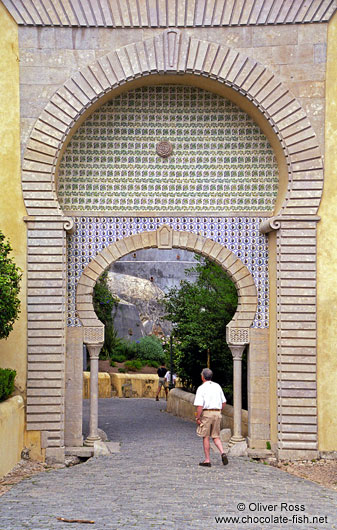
point(154, 482)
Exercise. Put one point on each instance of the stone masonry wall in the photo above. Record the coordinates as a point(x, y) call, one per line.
point(49, 56)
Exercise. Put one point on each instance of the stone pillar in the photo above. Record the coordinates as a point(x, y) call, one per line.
point(237, 351)
point(94, 350)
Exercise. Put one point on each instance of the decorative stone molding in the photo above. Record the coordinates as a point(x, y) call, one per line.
point(207, 13)
point(237, 335)
point(172, 52)
point(274, 223)
point(164, 237)
point(93, 335)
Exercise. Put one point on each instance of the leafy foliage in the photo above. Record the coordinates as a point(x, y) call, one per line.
point(7, 377)
point(10, 276)
point(148, 348)
point(104, 304)
point(200, 312)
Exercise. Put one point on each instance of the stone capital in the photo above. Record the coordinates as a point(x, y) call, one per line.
point(237, 351)
point(94, 350)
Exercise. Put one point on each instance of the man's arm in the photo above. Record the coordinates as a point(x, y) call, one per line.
point(223, 405)
point(198, 413)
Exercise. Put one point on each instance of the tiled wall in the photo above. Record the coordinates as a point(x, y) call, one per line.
point(221, 161)
point(239, 234)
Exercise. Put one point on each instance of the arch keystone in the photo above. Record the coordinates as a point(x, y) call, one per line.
point(164, 237)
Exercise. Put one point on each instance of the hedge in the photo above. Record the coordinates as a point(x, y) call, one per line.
point(7, 377)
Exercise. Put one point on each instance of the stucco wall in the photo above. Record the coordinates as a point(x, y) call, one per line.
point(12, 420)
point(12, 210)
point(327, 263)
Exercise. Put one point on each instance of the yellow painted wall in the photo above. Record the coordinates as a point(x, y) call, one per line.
point(12, 418)
point(327, 263)
point(12, 350)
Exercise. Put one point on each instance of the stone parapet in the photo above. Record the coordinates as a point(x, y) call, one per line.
point(12, 423)
point(180, 403)
point(104, 385)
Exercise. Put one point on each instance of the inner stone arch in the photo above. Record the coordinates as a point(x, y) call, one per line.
point(232, 265)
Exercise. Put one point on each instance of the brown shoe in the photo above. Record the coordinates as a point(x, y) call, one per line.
point(205, 464)
point(157, 398)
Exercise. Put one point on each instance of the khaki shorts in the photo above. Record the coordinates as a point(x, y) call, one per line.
point(162, 382)
point(210, 424)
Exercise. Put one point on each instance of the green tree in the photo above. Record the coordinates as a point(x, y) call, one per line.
point(10, 276)
point(104, 304)
point(200, 311)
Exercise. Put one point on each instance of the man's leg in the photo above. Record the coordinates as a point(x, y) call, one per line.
point(158, 392)
point(206, 444)
point(218, 444)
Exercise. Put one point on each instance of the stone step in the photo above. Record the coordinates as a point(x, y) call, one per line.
point(82, 452)
point(260, 453)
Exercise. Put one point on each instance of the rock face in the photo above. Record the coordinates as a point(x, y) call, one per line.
point(127, 321)
point(139, 311)
point(140, 280)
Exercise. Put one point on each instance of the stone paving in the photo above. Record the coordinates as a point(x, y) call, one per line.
point(155, 482)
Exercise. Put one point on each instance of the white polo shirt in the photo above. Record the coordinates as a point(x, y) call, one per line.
point(209, 396)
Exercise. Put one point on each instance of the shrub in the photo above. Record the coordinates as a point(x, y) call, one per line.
point(7, 377)
point(134, 366)
point(151, 349)
point(117, 358)
point(125, 348)
point(104, 304)
point(154, 364)
point(10, 276)
point(122, 370)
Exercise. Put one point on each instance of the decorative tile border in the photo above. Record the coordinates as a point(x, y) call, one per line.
point(240, 235)
point(221, 160)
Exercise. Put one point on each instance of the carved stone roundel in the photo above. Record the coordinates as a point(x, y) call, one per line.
point(164, 149)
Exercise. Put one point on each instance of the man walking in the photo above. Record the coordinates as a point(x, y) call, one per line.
point(161, 381)
point(210, 401)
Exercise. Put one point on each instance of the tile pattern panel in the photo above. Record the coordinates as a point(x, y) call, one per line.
point(240, 235)
point(221, 160)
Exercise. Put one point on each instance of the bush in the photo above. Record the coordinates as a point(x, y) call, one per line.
point(104, 304)
point(150, 348)
point(7, 377)
point(153, 364)
point(117, 358)
point(10, 276)
point(125, 349)
point(134, 366)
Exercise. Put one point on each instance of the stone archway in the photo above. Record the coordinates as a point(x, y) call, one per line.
point(165, 238)
point(173, 53)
